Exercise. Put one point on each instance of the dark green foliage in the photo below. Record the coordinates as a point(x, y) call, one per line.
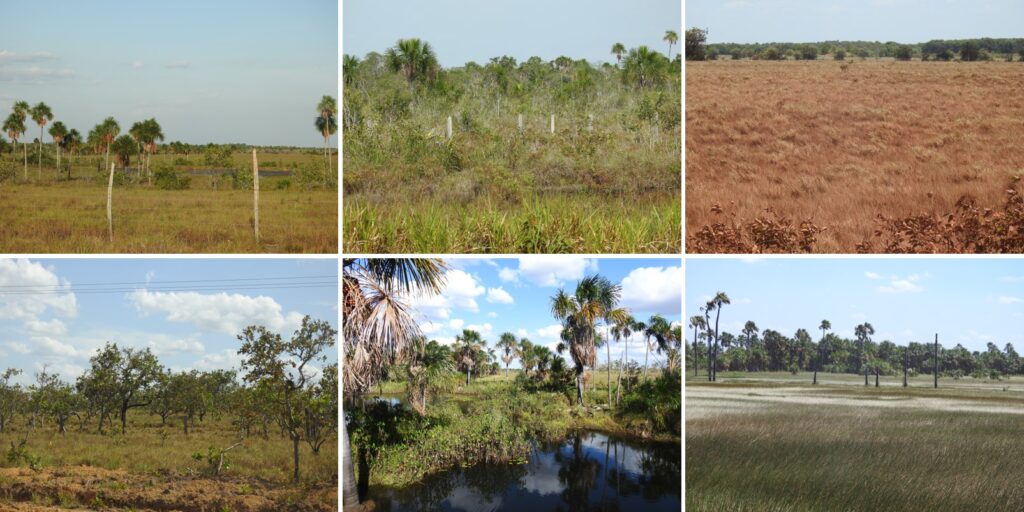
point(904, 52)
point(657, 401)
point(809, 52)
point(7, 170)
point(218, 156)
point(839, 55)
point(970, 51)
point(696, 44)
point(770, 53)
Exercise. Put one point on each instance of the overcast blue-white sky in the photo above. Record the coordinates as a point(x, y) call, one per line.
point(903, 21)
point(57, 312)
point(249, 71)
point(469, 30)
point(967, 301)
point(497, 295)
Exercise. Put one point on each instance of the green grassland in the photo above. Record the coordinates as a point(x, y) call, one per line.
point(774, 442)
point(65, 212)
point(607, 180)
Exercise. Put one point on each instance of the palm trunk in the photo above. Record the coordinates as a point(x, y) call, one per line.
point(622, 365)
point(695, 345)
point(714, 370)
point(24, 150)
point(608, 361)
point(58, 162)
point(39, 164)
point(647, 344)
point(579, 386)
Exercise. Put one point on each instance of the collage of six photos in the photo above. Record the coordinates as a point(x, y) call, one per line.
point(388, 256)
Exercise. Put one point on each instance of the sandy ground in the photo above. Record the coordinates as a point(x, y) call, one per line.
point(708, 401)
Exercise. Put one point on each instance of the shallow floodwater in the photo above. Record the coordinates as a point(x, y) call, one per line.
point(588, 471)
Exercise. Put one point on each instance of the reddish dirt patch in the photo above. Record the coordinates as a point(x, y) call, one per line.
point(49, 489)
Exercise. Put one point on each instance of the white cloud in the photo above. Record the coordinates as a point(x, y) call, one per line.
point(8, 57)
point(34, 74)
point(499, 296)
point(552, 271)
point(20, 348)
point(1008, 300)
point(902, 284)
point(429, 328)
point(24, 274)
point(430, 306)
point(508, 275)
point(179, 64)
point(485, 330)
point(654, 290)
point(227, 358)
point(220, 312)
point(550, 332)
point(462, 290)
point(176, 346)
point(457, 323)
point(492, 314)
point(54, 327)
point(522, 333)
point(872, 275)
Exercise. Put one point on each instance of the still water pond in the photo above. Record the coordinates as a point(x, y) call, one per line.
point(588, 471)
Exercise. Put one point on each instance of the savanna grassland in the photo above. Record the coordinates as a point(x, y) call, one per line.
point(604, 178)
point(196, 202)
point(868, 155)
point(770, 441)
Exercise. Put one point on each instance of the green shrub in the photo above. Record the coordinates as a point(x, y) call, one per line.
point(167, 179)
point(839, 55)
point(7, 171)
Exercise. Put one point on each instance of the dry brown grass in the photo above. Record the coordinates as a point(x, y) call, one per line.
point(814, 143)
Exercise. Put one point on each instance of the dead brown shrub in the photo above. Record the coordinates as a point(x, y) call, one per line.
point(768, 233)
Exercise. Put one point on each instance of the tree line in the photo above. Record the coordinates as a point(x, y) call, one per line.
point(276, 386)
point(754, 350)
point(968, 50)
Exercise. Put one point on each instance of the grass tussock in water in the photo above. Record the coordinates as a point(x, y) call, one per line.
point(809, 457)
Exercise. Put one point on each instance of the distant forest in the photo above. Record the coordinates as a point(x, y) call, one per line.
point(938, 49)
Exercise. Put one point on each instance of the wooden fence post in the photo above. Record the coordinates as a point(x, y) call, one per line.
point(110, 198)
point(906, 360)
point(449, 128)
point(519, 122)
point(552, 124)
point(255, 195)
point(590, 122)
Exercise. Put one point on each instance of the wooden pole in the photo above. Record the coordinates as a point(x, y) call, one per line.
point(906, 361)
point(552, 124)
point(519, 123)
point(590, 122)
point(110, 197)
point(936, 360)
point(449, 130)
point(255, 195)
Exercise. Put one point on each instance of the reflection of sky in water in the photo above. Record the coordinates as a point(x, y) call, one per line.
point(536, 485)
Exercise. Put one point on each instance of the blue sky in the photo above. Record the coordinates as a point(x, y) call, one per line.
point(967, 301)
point(188, 325)
point(493, 296)
point(469, 30)
point(223, 71)
point(904, 21)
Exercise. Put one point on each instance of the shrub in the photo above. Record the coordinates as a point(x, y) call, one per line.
point(771, 53)
point(839, 55)
point(904, 52)
point(944, 55)
point(7, 171)
point(696, 40)
point(809, 52)
point(217, 156)
point(771, 233)
point(970, 51)
point(167, 179)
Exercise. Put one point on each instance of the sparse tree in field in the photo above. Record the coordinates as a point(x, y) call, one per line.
point(105, 133)
point(657, 328)
point(904, 52)
point(10, 397)
point(527, 357)
point(809, 52)
point(187, 396)
point(720, 300)
point(56, 399)
point(594, 298)
point(413, 58)
point(284, 369)
point(429, 364)
point(840, 54)
point(825, 326)
point(612, 318)
point(58, 131)
point(618, 49)
point(944, 55)
point(71, 143)
point(698, 324)
point(671, 37)
point(41, 114)
point(863, 333)
point(129, 373)
point(322, 409)
point(123, 148)
point(327, 124)
point(147, 134)
point(696, 44)
point(14, 125)
point(468, 345)
point(771, 53)
point(378, 325)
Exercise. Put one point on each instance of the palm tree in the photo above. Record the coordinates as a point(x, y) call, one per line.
point(672, 38)
point(327, 125)
point(15, 128)
point(71, 142)
point(698, 324)
point(151, 134)
point(20, 112)
point(720, 300)
point(349, 65)
point(105, 133)
point(618, 49)
point(622, 330)
point(414, 58)
point(825, 326)
point(661, 331)
point(429, 364)
point(863, 333)
point(509, 346)
point(643, 66)
point(41, 113)
point(595, 297)
point(614, 317)
point(378, 325)
point(58, 131)
point(123, 148)
point(466, 353)
point(527, 356)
